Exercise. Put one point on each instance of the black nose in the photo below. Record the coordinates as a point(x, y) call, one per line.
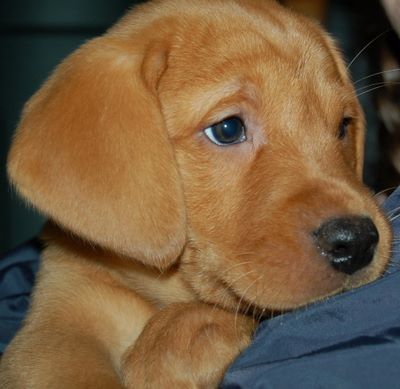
point(349, 242)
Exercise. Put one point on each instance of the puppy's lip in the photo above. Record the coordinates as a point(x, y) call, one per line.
point(363, 277)
point(254, 307)
point(261, 312)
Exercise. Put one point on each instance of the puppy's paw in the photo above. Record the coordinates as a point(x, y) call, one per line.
point(186, 346)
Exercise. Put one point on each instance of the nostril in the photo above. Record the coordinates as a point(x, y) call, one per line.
point(348, 242)
point(339, 249)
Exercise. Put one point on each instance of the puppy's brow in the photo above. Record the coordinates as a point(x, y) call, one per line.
point(210, 105)
point(209, 98)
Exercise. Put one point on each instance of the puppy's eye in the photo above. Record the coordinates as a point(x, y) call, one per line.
point(227, 132)
point(344, 127)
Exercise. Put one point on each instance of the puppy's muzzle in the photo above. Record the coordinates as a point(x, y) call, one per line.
point(348, 243)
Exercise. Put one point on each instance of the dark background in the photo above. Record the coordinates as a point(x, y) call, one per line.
point(35, 35)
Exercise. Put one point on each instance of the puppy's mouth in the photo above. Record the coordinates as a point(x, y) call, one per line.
point(262, 292)
point(298, 267)
point(257, 307)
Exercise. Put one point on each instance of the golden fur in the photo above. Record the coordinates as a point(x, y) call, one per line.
point(160, 242)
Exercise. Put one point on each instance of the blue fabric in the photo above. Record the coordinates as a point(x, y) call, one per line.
point(348, 341)
point(17, 273)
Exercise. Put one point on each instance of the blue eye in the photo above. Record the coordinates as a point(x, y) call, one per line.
point(227, 132)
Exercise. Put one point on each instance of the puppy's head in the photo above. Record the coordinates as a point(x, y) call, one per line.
point(224, 132)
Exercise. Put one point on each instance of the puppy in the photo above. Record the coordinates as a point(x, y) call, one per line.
point(200, 163)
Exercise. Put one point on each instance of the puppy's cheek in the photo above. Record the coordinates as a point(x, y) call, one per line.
point(281, 272)
point(295, 280)
point(280, 279)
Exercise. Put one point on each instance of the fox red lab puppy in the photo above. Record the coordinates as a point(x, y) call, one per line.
point(200, 161)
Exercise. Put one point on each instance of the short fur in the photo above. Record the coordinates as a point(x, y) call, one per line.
point(160, 242)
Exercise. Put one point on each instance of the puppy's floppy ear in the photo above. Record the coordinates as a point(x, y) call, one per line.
point(92, 152)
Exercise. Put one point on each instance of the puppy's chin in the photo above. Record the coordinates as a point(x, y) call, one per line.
point(250, 289)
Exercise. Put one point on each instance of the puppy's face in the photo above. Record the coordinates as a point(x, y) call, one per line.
point(268, 135)
point(223, 133)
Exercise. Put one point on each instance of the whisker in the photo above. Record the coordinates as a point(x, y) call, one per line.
point(233, 266)
point(246, 311)
point(370, 90)
point(382, 83)
point(242, 297)
point(253, 317)
point(366, 46)
point(391, 267)
point(393, 211)
point(391, 219)
point(384, 191)
point(376, 74)
point(220, 304)
point(242, 253)
point(261, 315)
point(230, 284)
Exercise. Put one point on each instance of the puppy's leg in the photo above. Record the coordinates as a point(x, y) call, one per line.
point(39, 359)
point(186, 346)
point(79, 326)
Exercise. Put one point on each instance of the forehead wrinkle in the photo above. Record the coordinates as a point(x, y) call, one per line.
point(205, 104)
point(209, 98)
point(215, 35)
